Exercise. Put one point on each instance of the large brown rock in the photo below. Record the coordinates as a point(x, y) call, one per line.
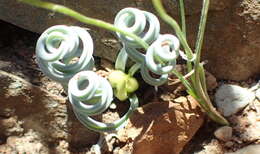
point(231, 43)
point(162, 127)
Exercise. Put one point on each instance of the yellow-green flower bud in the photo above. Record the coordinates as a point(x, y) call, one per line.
point(122, 84)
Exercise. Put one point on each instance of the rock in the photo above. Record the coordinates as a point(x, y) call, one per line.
point(214, 147)
point(6, 149)
point(180, 99)
point(231, 98)
point(37, 20)
point(11, 126)
point(257, 94)
point(161, 126)
point(232, 37)
point(28, 143)
point(211, 81)
point(229, 144)
point(236, 62)
point(223, 133)
point(251, 149)
point(229, 57)
point(232, 25)
point(256, 88)
point(247, 124)
point(32, 118)
point(63, 148)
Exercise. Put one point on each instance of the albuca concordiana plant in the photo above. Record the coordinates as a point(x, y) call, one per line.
point(65, 54)
point(139, 32)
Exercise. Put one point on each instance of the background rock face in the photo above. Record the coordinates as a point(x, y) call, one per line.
point(232, 41)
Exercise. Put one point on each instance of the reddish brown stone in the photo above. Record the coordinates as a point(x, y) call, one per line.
point(162, 127)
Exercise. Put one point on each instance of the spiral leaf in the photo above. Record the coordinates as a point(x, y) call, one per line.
point(160, 59)
point(161, 56)
point(143, 24)
point(151, 80)
point(90, 94)
point(62, 51)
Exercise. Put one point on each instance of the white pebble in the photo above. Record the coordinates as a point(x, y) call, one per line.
point(257, 94)
point(232, 98)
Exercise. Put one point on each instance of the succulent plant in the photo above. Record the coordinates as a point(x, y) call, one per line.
point(139, 33)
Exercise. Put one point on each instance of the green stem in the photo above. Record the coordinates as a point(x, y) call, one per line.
point(134, 69)
point(183, 80)
point(202, 77)
point(207, 105)
point(121, 60)
point(200, 82)
point(91, 21)
point(168, 19)
point(204, 99)
point(198, 87)
point(202, 25)
point(183, 21)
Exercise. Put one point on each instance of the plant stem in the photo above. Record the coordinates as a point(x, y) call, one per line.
point(200, 82)
point(134, 68)
point(183, 21)
point(204, 100)
point(184, 81)
point(198, 87)
point(202, 25)
point(121, 60)
point(91, 21)
point(168, 19)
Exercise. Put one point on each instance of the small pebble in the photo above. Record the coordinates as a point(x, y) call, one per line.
point(257, 94)
point(180, 99)
point(232, 98)
point(211, 81)
point(112, 106)
point(256, 88)
point(229, 144)
point(224, 133)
